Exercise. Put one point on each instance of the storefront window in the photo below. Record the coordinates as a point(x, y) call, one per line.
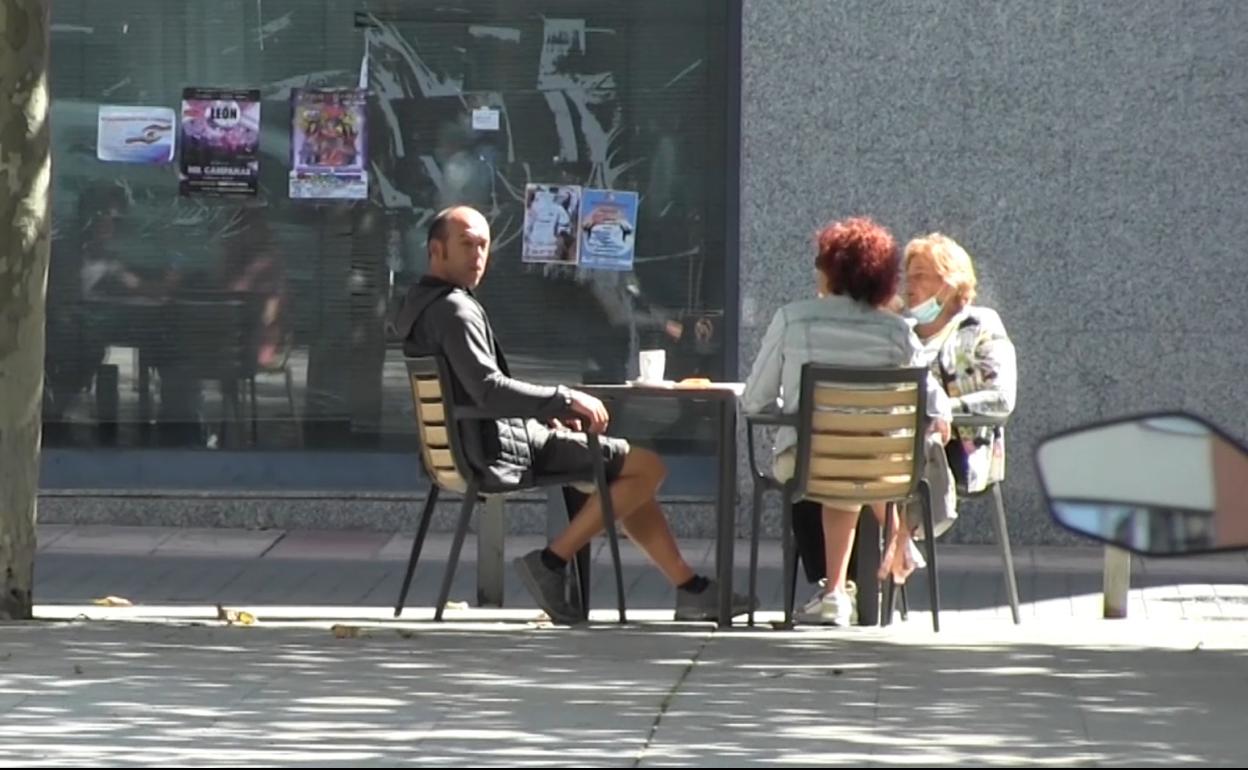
point(259, 323)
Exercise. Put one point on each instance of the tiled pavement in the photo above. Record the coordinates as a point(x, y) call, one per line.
point(327, 678)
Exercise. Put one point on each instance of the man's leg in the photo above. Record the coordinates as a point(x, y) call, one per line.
point(648, 528)
point(636, 477)
point(633, 495)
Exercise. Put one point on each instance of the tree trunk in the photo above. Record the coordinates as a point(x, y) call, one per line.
point(25, 173)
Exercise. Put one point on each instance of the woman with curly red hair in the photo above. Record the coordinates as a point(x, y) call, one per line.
point(848, 324)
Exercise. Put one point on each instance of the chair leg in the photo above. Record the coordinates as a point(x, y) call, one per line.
point(580, 561)
point(1007, 556)
point(890, 587)
point(608, 523)
point(465, 516)
point(867, 558)
point(756, 517)
point(582, 572)
point(422, 529)
point(790, 560)
point(580, 580)
point(230, 417)
point(290, 399)
point(929, 534)
point(255, 413)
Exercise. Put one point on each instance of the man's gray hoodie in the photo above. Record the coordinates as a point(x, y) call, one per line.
point(439, 318)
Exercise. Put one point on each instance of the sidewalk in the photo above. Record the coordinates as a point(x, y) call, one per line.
point(169, 565)
point(165, 681)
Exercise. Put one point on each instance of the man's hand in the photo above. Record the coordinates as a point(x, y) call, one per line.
point(942, 428)
point(592, 410)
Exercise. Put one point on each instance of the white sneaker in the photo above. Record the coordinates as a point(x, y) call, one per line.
point(839, 608)
point(916, 556)
point(815, 601)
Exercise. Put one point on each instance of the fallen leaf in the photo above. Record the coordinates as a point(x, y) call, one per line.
point(113, 601)
point(241, 617)
point(77, 669)
point(345, 632)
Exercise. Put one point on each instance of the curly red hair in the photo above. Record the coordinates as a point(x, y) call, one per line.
point(859, 258)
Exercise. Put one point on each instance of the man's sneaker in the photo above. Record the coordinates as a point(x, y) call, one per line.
point(839, 608)
point(549, 588)
point(704, 605)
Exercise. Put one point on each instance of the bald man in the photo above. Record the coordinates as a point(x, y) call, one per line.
point(546, 435)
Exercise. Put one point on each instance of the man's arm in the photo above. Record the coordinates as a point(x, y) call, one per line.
point(460, 330)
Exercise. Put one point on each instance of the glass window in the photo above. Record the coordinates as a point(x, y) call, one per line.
point(259, 323)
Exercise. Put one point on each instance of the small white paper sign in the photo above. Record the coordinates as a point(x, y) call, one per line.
point(485, 119)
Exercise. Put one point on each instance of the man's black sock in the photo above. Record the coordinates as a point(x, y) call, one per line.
point(694, 585)
point(552, 560)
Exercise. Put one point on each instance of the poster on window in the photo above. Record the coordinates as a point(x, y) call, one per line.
point(608, 229)
point(550, 215)
point(327, 144)
point(220, 141)
point(135, 134)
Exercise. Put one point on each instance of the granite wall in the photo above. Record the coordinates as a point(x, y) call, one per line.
point(1088, 156)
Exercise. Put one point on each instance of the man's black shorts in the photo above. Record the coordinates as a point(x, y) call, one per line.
point(563, 452)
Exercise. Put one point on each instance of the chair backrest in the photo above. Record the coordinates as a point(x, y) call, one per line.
point(860, 433)
point(226, 328)
point(441, 449)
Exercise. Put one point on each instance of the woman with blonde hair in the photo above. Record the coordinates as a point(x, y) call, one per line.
point(967, 350)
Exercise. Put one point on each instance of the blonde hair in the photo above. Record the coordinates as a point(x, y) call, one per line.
point(951, 261)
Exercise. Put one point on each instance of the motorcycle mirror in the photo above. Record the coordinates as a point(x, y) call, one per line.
point(1162, 484)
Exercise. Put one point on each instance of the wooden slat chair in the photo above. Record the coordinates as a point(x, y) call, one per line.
point(999, 525)
point(860, 440)
point(866, 545)
point(998, 511)
point(438, 421)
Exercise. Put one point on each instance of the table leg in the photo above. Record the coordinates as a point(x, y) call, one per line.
point(145, 393)
point(726, 508)
point(491, 532)
point(867, 564)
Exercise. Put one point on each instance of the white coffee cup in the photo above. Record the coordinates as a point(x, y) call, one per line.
point(651, 364)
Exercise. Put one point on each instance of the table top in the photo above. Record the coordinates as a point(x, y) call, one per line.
point(718, 391)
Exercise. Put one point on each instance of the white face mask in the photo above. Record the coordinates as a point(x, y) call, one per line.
point(927, 311)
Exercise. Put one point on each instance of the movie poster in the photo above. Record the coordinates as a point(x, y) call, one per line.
point(328, 144)
point(220, 141)
point(608, 229)
point(550, 215)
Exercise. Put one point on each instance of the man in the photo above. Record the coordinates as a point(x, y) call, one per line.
point(442, 317)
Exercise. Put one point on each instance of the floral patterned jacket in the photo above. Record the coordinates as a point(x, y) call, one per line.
point(975, 361)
